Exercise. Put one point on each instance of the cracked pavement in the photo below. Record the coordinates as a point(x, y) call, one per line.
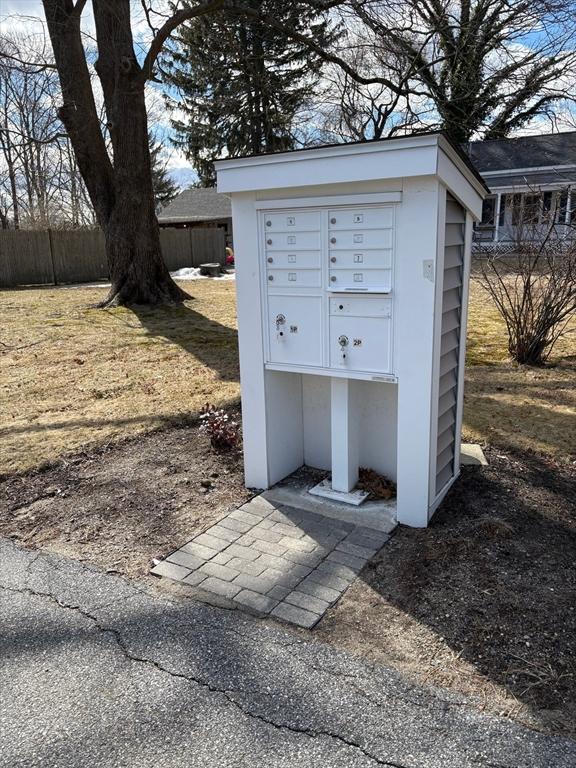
point(97, 670)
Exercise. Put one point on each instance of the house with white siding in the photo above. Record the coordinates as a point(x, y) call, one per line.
point(532, 180)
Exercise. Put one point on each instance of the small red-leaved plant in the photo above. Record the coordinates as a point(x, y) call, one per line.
point(219, 427)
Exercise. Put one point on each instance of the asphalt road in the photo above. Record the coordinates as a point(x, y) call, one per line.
point(96, 671)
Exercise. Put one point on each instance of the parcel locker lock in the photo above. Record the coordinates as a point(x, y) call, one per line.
point(280, 322)
point(343, 341)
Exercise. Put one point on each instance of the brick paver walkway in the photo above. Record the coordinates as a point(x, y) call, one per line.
point(276, 560)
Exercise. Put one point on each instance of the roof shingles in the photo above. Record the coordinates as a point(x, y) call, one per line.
point(196, 204)
point(547, 150)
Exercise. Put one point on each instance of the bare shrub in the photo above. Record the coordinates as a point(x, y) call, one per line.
point(224, 432)
point(533, 285)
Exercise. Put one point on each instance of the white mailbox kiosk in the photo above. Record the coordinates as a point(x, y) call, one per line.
point(352, 266)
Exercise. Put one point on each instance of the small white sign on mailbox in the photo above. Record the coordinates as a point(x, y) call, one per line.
point(350, 355)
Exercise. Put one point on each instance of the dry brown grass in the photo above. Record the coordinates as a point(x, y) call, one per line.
point(74, 377)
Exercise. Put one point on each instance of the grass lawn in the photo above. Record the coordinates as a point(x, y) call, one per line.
point(75, 377)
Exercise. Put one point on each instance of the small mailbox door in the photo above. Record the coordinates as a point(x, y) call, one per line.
point(357, 239)
point(294, 278)
point(360, 279)
point(361, 259)
point(292, 221)
point(361, 218)
point(297, 241)
point(293, 260)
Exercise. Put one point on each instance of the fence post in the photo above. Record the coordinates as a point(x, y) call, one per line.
point(51, 248)
point(192, 264)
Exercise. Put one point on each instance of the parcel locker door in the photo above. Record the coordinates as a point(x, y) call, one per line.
point(295, 329)
point(361, 343)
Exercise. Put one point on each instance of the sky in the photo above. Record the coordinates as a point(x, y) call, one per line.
point(28, 16)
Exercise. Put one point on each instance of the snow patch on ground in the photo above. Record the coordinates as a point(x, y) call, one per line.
point(186, 273)
point(193, 273)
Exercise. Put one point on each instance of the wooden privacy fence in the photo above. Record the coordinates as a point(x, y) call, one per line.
point(50, 257)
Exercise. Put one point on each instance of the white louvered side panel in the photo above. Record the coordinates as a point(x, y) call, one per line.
point(450, 341)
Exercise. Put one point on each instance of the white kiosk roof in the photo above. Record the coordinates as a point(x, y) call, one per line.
point(430, 154)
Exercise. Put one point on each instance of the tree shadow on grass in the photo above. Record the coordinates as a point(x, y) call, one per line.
point(214, 344)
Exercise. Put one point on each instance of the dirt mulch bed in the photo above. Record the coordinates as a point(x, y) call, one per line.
point(121, 506)
point(483, 602)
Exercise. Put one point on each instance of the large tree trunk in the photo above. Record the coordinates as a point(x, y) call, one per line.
point(138, 274)
point(120, 191)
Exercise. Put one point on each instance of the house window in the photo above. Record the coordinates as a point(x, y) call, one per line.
point(488, 211)
point(526, 209)
point(549, 200)
point(531, 212)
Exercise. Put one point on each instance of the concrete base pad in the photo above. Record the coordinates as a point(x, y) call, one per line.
point(472, 455)
point(325, 489)
point(378, 515)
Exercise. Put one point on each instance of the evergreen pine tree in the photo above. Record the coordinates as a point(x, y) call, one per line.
point(165, 189)
point(242, 86)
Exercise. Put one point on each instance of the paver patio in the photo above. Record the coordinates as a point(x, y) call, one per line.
point(276, 560)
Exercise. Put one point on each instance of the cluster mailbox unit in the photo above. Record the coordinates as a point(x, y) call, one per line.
point(352, 265)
